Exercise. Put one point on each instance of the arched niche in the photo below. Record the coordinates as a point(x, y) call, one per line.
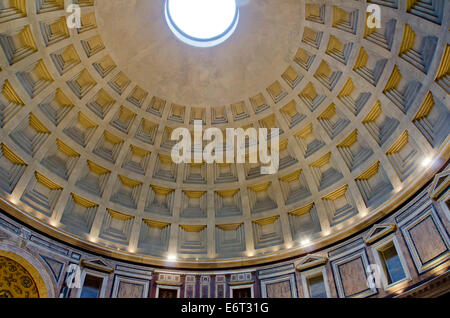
point(22, 275)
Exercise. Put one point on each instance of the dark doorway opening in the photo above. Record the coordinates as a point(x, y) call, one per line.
point(167, 293)
point(242, 293)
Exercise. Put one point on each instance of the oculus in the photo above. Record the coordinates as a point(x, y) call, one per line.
point(202, 23)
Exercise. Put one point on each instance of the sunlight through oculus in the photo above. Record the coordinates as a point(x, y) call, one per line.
point(202, 23)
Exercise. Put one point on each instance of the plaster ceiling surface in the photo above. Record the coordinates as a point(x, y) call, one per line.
point(139, 40)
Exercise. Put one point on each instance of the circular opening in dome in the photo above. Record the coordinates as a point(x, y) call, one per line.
point(202, 23)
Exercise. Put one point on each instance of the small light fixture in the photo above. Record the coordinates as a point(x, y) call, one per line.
point(363, 213)
point(13, 200)
point(427, 161)
point(305, 241)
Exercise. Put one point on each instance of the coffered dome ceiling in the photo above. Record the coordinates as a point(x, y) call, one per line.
point(86, 115)
point(262, 45)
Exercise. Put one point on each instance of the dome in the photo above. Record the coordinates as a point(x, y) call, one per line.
point(87, 114)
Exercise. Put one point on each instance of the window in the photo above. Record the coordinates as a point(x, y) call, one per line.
point(316, 287)
point(91, 287)
point(315, 283)
point(392, 264)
